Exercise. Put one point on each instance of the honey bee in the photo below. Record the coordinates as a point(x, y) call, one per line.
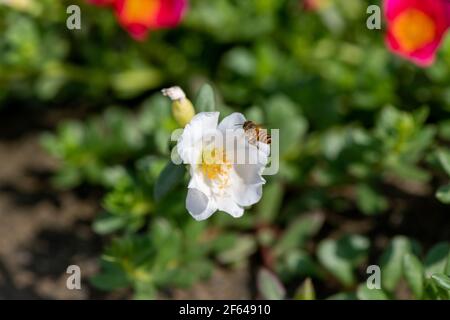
point(256, 133)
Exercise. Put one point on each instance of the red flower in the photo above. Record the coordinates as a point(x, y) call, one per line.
point(416, 28)
point(140, 16)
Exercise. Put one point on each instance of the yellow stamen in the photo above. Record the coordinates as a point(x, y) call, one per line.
point(413, 29)
point(140, 10)
point(215, 165)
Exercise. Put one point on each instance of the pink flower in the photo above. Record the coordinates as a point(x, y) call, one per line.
point(140, 16)
point(416, 28)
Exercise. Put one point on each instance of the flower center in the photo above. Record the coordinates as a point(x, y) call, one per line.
point(413, 29)
point(140, 10)
point(215, 166)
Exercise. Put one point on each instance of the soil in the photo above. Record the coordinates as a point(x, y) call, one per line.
point(43, 231)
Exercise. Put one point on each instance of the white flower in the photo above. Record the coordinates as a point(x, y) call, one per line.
point(225, 169)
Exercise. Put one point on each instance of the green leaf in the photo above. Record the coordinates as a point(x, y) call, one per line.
point(447, 267)
point(436, 259)
point(223, 242)
point(432, 291)
point(68, 177)
point(414, 274)
point(242, 249)
point(130, 83)
point(444, 159)
point(171, 175)
point(342, 256)
point(270, 204)
point(365, 293)
point(343, 296)
point(108, 223)
point(306, 291)
point(297, 263)
point(338, 266)
point(205, 100)
point(111, 278)
point(144, 290)
point(299, 231)
point(282, 114)
point(369, 200)
point(443, 194)
point(269, 286)
point(392, 260)
point(442, 280)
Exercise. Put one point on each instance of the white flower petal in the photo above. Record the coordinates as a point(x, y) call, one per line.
point(264, 148)
point(249, 195)
point(226, 204)
point(189, 145)
point(250, 154)
point(233, 121)
point(205, 120)
point(246, 194)
point(250, 173)
point(199, 205)
point(229, 186)
point(198, 181)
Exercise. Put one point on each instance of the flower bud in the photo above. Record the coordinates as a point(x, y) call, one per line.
point(182, 108)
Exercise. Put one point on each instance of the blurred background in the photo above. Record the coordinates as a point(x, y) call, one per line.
point(84, 142)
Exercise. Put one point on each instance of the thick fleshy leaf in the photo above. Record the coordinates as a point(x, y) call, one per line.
point(269, 286)
point(391, 262)
point(171, 175)
point(243, 247)
point(443, 194)
point(299, 231)
point(436, 259)
point(444, 159)
point(442, 280)
point(205, 100)
point(109, 223)
point(364, 293)
point(340, 257)
point(269, 207)
point(306, 291)
point(414, 274)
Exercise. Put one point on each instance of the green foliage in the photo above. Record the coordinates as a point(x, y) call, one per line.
point(414, 274)
point(358, 128)
point(342, 256)
point(401, 261)
point(391, 262)
point(205, 100)
point(163, 256)
point(443, 193)
point(305, 291)
point(364, 293)
point(269, 286)
point(141, 192)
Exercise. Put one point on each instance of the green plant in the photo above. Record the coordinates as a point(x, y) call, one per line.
point(364, 138)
